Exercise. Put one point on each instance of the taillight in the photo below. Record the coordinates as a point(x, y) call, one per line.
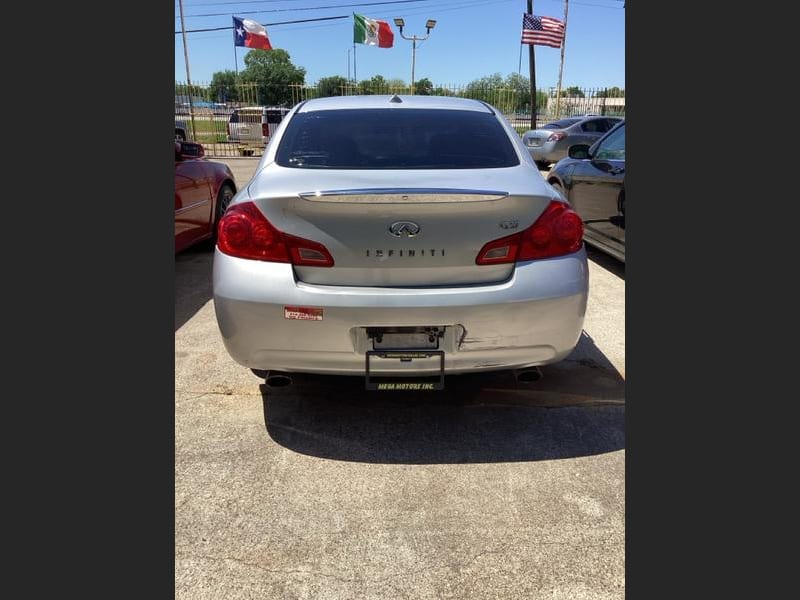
point(500, 251)
point(557, 231)
point(244, 232)
point(554, 137)
point(265, 129)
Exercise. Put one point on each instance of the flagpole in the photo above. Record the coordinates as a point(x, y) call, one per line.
point(532, 62)
point(561, 68)
point(188, 77)
point(235, 55)
point(519, 66)
point(355, 76)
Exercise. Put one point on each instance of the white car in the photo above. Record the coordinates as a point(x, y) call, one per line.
point(254, 124)
point(395, 237)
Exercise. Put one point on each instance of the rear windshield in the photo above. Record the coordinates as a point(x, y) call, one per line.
point(245, 116)
point(562, 124)
point(275, 116)
point(381, 138)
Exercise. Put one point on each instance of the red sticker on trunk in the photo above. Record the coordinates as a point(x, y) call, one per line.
point(303, 313)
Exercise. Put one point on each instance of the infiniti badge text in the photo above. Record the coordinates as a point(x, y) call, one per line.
point(404, 252)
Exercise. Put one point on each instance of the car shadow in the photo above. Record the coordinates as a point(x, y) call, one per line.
point(608, 262)
point(192, 281)
point(577, 409)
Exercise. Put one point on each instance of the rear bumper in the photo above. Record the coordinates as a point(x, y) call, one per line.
point(549, 151)
point(534, 318)
point(255, 141)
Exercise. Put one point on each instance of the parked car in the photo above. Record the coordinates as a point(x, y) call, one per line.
point(550, 143)
point(180, 131)
point(203, 190)
point(254, 124)
point(398, 236)
point(592, 179)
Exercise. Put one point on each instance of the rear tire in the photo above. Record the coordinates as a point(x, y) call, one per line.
point(543, 165)
point(224, 197)
point(180, 136)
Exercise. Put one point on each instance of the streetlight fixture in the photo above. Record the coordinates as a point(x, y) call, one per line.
point(429, 24)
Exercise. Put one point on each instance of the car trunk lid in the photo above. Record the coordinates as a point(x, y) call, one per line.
point(425, 234)
point(538, 137)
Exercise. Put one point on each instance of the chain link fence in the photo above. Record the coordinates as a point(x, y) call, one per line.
point(237, 119)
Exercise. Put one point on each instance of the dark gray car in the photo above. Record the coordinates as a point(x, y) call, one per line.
point(593, 181)
point(550, 143)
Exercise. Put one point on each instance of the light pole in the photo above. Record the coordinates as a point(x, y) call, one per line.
point(429, 24)
point(188, 77)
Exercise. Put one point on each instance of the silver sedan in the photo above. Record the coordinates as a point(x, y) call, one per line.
point(394, 237)
point(550, 143)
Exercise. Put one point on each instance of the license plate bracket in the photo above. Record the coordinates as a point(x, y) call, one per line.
point(405, 338)
point(404, 383)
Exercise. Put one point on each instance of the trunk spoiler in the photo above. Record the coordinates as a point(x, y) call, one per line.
point(403, 195)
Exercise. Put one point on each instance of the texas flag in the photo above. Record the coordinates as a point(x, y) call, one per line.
point(250, 34)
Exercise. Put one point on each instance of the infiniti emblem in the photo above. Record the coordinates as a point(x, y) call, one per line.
point(404, 228)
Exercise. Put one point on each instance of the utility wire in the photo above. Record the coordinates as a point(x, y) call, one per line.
point(254, 12)
point(244, 2)
point(364, 4)
point(270, 24)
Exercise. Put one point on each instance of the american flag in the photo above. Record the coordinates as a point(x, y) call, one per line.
point(544, 31)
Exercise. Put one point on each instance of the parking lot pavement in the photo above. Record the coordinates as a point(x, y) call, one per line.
point(488, 489)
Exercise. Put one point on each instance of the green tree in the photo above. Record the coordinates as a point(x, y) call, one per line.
point(483, 88)
point(423, 87)
point(521, 89)
point(335, 85)
point(375, 85)
point(612, 92)
point(397, 86)
point(224, 87)
point(195, 91)
point(512, 94)
point(274, 74)
point(572, 92)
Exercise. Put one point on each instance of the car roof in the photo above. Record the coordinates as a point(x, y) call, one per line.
point(431, 102)
point(263, 108)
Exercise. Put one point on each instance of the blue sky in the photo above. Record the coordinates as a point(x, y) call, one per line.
point(472, 39)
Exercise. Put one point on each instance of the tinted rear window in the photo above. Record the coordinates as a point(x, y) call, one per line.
point(275, 116)
point(246, 116)
point(382, 138)
point(562, 124)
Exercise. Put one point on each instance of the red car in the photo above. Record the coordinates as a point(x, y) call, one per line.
point(203, 190)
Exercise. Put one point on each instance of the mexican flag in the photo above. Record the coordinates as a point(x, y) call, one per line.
point(372, 32)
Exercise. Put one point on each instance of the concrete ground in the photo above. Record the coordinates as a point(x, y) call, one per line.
point(488, 489)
